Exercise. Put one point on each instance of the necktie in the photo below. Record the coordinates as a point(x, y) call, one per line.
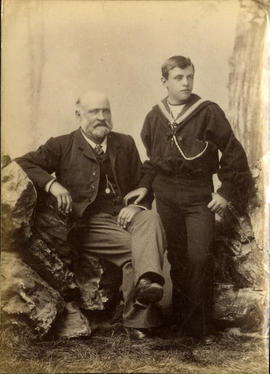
point(98, 149)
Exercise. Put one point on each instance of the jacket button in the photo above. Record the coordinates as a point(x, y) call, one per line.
point(93, 187)
point(94, 173)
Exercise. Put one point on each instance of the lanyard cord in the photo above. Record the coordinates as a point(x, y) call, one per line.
point(109, 185)
point(173, 126)
point(183, 154)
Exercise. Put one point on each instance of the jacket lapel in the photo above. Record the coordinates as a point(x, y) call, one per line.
point(113, 146)
point(82, 144)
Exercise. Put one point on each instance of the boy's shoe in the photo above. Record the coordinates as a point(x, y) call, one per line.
point(135, 333)
point(148, 292)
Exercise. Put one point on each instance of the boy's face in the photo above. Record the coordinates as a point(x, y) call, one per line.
point(179, 84)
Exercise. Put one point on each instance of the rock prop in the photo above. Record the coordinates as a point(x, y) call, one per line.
point(43, 293)
point(18, 203)
point(27, 300)
point(74, 324)
point(239, 262)
point(39, 289)
point(241, 307)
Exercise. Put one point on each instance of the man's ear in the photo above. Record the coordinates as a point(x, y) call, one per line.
point(163, 81)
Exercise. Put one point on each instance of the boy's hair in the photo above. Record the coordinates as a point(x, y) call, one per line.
point(180, 61)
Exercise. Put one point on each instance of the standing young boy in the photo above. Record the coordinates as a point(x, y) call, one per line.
point(182, 135)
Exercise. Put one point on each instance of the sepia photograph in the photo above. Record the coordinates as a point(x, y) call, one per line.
point(135, 186)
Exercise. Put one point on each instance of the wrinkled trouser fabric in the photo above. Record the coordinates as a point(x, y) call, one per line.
point(189, 227)
point(138, 250)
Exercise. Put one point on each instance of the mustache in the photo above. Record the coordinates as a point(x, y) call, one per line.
point(104, 123)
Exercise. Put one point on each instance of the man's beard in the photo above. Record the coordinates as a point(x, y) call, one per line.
point(101, 130)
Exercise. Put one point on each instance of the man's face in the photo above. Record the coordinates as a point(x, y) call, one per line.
point(179, 84)
point(95, 116)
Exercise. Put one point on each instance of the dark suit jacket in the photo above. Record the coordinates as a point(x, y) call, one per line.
point(74, 163)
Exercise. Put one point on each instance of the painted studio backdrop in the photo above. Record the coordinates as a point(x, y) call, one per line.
point(55, 50)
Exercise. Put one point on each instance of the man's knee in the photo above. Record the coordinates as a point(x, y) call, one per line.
point(150, 217)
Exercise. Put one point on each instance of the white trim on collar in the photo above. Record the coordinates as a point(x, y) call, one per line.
point(182, 117)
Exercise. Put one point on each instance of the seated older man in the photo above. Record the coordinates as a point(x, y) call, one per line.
point(95, 168)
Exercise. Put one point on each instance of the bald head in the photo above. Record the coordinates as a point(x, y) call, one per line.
point(94, 115)
point(93, 99)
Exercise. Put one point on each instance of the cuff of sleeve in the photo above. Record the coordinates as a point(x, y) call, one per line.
point(226, 190)
point(139, 206)
point(49, 184)
point(146, 182)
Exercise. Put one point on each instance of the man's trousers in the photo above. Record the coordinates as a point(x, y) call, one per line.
point(189, 226)
point(138, 250)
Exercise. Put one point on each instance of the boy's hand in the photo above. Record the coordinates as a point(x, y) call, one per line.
point(140, 193)
point(63, 197)
point(218, 204)
point(126, 215)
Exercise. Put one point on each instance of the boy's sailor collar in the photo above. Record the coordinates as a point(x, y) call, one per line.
point(193, 103)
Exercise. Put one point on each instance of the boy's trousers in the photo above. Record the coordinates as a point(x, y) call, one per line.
point(138, 251)
point(189, 226)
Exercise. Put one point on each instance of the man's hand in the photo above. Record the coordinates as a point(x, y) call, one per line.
point(126, 215)
point(63, 197)
point(218, 204)
point(140, 193)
